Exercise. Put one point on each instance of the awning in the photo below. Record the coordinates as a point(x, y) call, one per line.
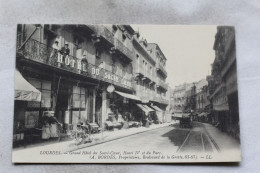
point(24, 90)
point(156, 108)
point(148, 108)
point(142, 108)
point(177, 115)
point(203, 114)
point(129, 96)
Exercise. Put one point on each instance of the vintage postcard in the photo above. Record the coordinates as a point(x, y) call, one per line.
point(125, 94)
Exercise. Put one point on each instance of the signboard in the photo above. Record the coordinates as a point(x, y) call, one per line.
point(220, 102)
point(91, 70)
point(75, 65)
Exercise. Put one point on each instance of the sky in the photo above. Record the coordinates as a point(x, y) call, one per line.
point(188, 49)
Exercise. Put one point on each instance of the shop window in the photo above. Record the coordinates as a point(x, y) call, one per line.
point(31, 119)
point(78, 97)
point(75, 117)
point(45, 88)
point(46, 99)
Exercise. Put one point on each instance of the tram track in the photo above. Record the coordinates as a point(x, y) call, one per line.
point(185, 140)
point(205, 143)
point(202, 142)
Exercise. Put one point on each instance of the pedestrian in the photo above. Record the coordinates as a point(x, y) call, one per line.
point(65, 51)
point(54, 52)
point(54, 125)
point(45, 127)
point(84, 62)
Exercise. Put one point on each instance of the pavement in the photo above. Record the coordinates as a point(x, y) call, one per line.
point(69, 145)
point(221, 140)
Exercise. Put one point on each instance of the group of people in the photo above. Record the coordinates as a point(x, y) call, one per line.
point(50, 126)
point(65, 51)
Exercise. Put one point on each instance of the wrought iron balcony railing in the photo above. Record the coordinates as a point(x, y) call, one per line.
point(162, 84)
point(119, 46)
point(161, 69)
point(160, 99)
point(105, 33)
point(145, 74)
point(41, 53)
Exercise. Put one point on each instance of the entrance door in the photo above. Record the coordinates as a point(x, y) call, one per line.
point(90, 105)
point(98, 107)
point(62, 102)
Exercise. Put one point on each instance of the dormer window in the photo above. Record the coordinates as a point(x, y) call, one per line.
point(114, 28)
point(123, 37)
point(98, 53)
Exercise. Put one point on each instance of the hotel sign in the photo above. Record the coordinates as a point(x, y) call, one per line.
point(73, 64)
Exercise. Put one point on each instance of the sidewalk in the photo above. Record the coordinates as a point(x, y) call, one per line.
point(107, 136)
point(221, 140)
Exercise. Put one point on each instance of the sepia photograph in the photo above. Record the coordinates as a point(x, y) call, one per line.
point(125, 94)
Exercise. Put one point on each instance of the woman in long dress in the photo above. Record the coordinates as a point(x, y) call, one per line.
point(46, 130)
point(54, 127)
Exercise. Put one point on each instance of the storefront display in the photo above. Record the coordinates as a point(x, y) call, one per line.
point(31, 119)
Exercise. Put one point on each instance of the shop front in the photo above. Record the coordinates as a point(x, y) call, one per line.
point(159, 113)
point(220, 114)
point(75, 93)
point(121, 111)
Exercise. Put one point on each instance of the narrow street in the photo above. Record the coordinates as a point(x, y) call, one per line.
point(170, 138)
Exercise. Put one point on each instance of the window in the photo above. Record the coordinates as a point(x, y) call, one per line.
point(114, 28)
point(78, 97)
point(98, 53)
point(123, 37)
point(114, 68)
point(45, 88)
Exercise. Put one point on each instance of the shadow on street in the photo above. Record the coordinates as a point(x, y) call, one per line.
point(177, 136)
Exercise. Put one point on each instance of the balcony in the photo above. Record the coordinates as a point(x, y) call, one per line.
point(162, 84)
point(122, 49)
point(85, 29)
point(38, 53)
point(161, 69)
point(103, 33)
point(161, 100)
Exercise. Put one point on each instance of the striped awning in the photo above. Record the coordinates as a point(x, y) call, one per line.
point(142, 108)
point(24, 90)
point(156, 108)
point(129, 96)
point(148, 108)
